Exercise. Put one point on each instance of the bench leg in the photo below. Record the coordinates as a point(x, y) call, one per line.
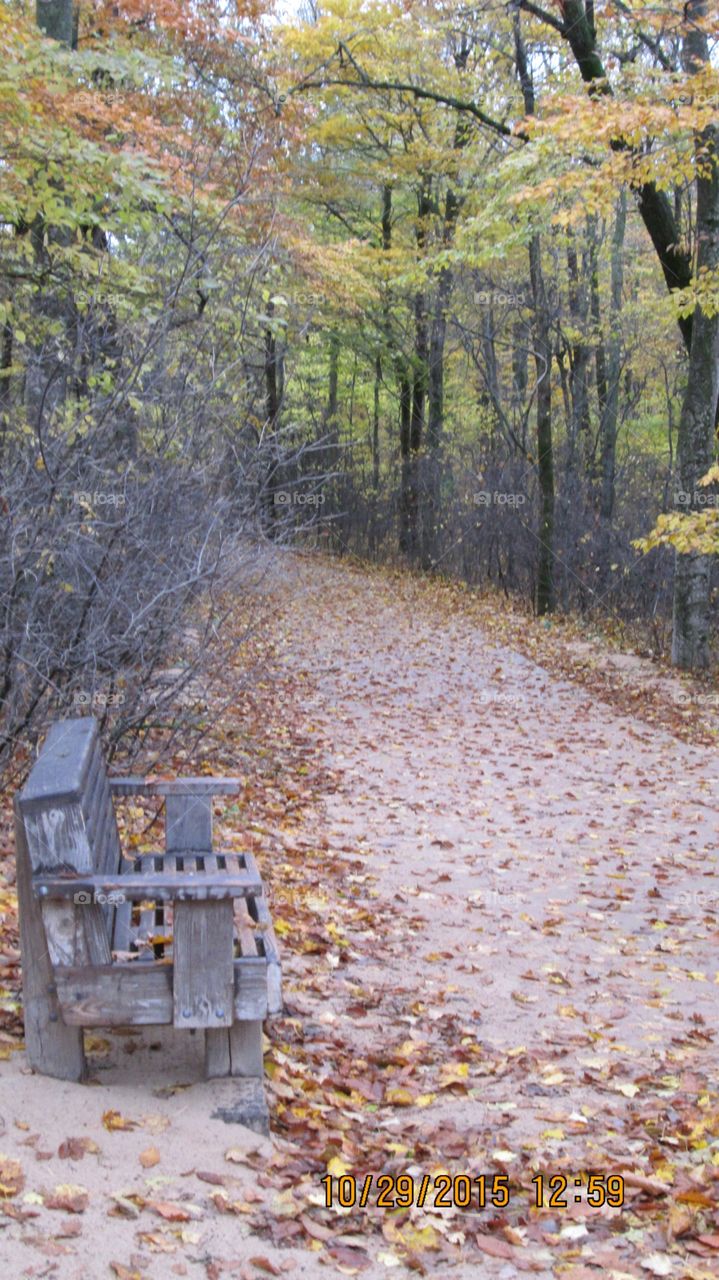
point(52, 1048)
point(235, 1051)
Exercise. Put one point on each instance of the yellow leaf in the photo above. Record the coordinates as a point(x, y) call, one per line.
point(416, 1238)
point(337, 1167)
point(399, 1097)
point(113, 1120)
point(453, 1073)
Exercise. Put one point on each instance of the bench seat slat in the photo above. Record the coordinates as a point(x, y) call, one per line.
point(175, 786)
point(160, 886)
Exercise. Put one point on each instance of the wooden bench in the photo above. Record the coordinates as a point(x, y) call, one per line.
point(179, 937)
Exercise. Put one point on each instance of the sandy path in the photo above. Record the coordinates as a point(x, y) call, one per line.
point(553, 868)
point(534, 965)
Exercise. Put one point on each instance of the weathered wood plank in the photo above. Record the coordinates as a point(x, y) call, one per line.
point(245, 931)
point(235, 1051)
point(126, 994)
point(52, 1047)
point(117, 995)
point(188, 823)
point(57, 837)
point(76, 933)
point(176, 786)
point(191, 886)
point(217, 1053)
point(246, 1049)
point(62, 765)
point(260, 912)
point(202, 964)
point(122, 927)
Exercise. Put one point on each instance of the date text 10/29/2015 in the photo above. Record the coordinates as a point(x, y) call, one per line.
point(465, 1191)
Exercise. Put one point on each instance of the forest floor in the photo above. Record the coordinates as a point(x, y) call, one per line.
point(492, 860)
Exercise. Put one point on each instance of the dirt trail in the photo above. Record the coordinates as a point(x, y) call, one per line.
point(553, 869)
point(506, 963)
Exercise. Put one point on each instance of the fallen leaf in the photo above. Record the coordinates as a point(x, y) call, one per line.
point(264, 1264)
point(76, 1148)
point(660, 1264)
point(113, 1120)
point(12, 1178)
point(495, 1248)
point(169, 1211)
point(68, 1197)
point(399, 1097)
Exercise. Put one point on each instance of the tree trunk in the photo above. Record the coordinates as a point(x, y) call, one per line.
point(271, 490)
point(410, 472)
point(330, 438)
point(545, 452)
point(435, 422)
point(56, 19)
point(432, 480)
point(690, 639)
point(405, 415)
point(543, 366)
point(609, 402)
point(579, 356)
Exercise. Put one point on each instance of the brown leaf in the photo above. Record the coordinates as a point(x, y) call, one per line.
point(69, 1198)
point(264, 1264)
point(149, 1157)
point(652, 1185)
point(76, 1148)
point(123, 1273)
point(315, 1229)
point(347, 1256)
point(167, 1210)
point(712, 1240)
point(495, 1248)
point(68, 1227)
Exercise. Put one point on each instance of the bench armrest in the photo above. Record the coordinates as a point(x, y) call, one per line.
point(160, 886)
point(207, 786)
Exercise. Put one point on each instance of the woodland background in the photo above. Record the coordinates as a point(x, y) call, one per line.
point(431, 283)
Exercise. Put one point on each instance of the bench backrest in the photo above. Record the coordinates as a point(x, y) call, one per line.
point(66, 803)
point(69, 824)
